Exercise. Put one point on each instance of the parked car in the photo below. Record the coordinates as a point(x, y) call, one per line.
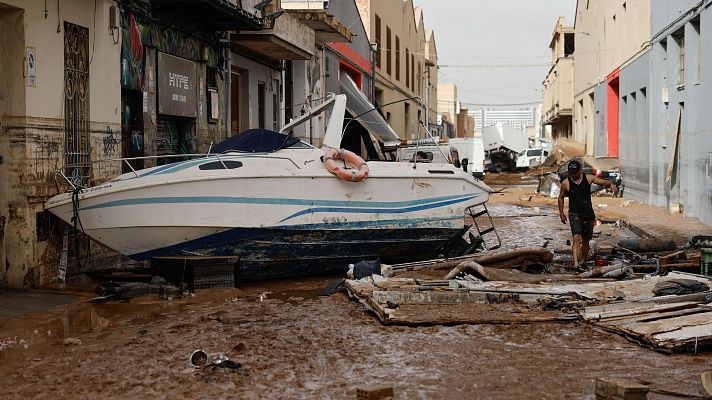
point(531, 158)
point(607, 168)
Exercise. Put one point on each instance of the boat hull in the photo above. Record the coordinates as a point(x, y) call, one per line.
point(270, 253)
point(279, 220)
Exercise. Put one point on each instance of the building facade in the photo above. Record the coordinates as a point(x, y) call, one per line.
point(524, 119)
point(558, 85)
point(609, 34)
point(397, 29)
point(448, 106)
point(151, 79)
point(665, 134)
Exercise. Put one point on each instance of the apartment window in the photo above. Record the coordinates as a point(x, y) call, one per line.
point(407, 68)
point(397, 58)
point(695, 24)
point(420, 79)
point(412, 71)
point(378, 41)
point(680, 40)
point(388, 50)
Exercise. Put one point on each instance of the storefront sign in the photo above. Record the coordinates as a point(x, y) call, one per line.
point(177, 86)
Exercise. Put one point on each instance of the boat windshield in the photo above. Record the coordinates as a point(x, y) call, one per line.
point(258, 141)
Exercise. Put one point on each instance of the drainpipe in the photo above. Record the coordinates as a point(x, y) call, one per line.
point(228, 88)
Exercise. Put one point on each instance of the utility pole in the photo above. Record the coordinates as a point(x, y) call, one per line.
point(428, 64)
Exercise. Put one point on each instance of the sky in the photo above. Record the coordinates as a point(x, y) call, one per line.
point(501, 32)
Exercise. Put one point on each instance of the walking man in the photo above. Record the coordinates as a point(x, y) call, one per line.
point(581, 217)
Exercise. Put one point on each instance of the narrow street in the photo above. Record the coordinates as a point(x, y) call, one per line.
point(355, 199)
point(300, 345)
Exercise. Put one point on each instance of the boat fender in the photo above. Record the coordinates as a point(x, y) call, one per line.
point(350, 175)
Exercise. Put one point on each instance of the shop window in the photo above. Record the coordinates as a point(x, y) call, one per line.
point(212, 96)
point(45, 225)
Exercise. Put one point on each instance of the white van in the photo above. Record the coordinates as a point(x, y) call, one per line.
point(531, 158)
point(473, 151)
point(429, 153)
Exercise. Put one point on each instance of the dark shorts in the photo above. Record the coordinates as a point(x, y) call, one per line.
point(581, 227)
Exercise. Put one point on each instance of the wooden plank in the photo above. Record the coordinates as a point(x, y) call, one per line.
point(625, 322)
point(637, 310)
point(672, 324)
point(431, 297)
point(230, 259)
point(620, 389)
point(702, 332)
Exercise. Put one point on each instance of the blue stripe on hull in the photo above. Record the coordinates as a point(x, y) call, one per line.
point(272, 252)
point(280, 201)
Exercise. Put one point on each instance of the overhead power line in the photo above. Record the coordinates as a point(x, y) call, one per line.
point(497, 66)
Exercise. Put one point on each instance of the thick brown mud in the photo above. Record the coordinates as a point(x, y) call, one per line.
point(300, 345)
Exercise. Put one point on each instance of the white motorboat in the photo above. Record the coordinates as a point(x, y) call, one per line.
point(278, 208)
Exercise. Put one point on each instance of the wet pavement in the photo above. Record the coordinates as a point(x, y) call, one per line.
point(300, 345)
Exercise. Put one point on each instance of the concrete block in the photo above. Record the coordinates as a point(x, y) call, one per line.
point(374, 392)
point(620, 389)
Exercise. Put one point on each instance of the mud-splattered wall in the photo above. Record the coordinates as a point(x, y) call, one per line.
point(32, 128)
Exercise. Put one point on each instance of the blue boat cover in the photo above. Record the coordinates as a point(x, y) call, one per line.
point(255, 141)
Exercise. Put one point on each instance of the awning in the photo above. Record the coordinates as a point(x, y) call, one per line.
point(212, 15)
point(358, 105)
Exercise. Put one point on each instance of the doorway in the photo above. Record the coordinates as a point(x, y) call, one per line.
point(131, 128)
point(235, 102)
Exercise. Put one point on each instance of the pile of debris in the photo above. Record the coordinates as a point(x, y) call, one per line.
point(668, 311)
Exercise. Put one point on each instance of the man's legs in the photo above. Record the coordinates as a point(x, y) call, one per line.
point(576, 248)
point(586, 236)
point(585, 248)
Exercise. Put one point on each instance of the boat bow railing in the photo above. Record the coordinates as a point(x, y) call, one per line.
point(75, 182)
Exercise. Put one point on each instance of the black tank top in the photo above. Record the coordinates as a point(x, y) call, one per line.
point(580, 199)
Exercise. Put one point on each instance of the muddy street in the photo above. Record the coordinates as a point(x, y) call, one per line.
point(300, 345)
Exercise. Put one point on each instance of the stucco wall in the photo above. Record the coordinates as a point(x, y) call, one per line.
point(252, 73)
point(408, 26)
point(607, 36)
point(634, 137)
point(691, 182)
point(32, 141)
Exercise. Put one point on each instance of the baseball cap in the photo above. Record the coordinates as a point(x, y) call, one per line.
point(574, 165)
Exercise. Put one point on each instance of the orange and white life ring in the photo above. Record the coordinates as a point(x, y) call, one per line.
point(351, 175)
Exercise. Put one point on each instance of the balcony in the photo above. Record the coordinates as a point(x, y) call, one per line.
point(558, 91)
point(288, 39)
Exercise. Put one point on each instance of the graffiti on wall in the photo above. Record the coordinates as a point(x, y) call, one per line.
point(110, 142)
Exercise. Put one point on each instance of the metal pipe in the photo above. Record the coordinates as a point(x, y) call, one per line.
point(228, 89)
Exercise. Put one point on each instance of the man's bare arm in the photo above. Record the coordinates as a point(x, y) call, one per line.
point(562, 195)
point(604, 183)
